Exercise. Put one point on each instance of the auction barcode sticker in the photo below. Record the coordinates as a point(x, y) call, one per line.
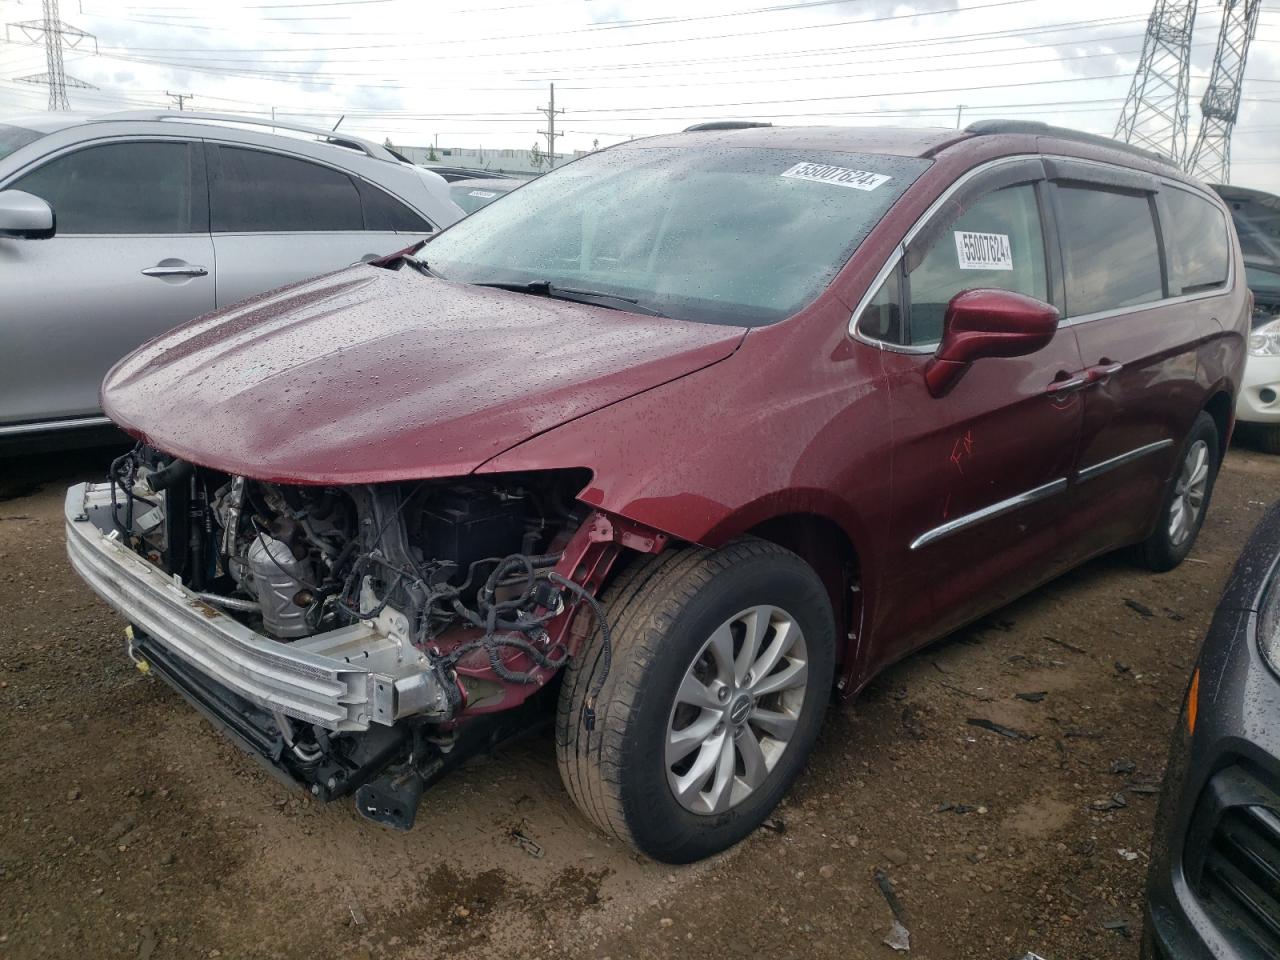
point(840, 176)
point(983, 251)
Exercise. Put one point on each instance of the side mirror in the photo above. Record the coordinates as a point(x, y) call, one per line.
point(987, 323)
point(25, 216)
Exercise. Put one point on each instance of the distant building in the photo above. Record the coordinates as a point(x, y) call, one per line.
point(520, 162)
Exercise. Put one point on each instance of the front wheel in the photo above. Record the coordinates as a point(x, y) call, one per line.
point(1186, 500)
point(722, 669)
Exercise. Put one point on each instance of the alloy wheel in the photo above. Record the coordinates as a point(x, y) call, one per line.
point(736, 710)
point(1189, 493)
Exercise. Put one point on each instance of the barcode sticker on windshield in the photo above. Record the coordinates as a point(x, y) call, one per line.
point(484, 194)
point(983, 251)
point(840, 176)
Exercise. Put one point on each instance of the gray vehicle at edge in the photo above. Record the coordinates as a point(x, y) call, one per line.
point(115, 228)
point(1214, 886)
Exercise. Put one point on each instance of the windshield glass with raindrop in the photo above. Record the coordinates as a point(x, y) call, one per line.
point(741, 236)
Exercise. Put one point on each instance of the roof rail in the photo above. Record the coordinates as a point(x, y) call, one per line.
point(983, 128)
point(367, 147)
point(726, 125)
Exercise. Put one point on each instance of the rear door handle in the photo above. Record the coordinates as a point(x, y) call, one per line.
point(176, 270)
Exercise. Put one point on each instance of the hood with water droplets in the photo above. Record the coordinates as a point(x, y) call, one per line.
point(371, 375)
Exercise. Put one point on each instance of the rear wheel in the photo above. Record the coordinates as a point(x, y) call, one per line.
point(722, 670)
point(1187, 499)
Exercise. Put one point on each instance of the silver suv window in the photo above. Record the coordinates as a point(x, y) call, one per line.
point(124, 188)
point(253, 191)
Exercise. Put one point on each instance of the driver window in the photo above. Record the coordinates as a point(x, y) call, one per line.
point(996, 242)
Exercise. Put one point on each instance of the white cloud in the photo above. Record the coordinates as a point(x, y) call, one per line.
point(475, 75)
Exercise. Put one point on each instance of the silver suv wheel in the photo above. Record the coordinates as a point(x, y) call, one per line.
point(736, 709)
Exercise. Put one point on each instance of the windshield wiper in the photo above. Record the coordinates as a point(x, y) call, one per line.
point(544, 288)
point(421, 266)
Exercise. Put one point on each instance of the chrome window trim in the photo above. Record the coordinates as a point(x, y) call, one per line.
point(43, 426)
point(1150, 304)
point(997, 509)
point(1098, 469)
point(900, 251)
point(910, 235)
point(889, 266)
point(57, 153)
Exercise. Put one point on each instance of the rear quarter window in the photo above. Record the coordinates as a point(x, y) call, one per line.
point(386, 213)
point(1196, 241)
point(1110, 248)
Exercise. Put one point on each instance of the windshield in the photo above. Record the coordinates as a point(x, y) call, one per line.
point(472, 196)
point(11, 138)
point(1257, 220)
point(720, 235)
point(1264, 282)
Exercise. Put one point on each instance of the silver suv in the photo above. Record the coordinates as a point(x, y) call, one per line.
point(115, 228)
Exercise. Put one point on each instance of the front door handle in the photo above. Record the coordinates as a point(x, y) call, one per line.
point(175, 270)
point(1060, 388)
point(1100, 372)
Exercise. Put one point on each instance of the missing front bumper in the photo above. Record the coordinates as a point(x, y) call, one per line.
point(345, 680)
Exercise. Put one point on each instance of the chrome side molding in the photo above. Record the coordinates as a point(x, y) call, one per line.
point(1098, 469)
point(1050, 489)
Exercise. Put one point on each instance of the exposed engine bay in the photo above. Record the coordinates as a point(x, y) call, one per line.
point(461, 598)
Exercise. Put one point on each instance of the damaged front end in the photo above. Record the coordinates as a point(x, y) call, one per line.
point(361, 639)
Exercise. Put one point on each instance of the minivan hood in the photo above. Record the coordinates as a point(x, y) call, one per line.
point(371, 375)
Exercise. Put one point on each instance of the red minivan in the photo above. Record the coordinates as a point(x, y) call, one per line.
point(669, 446)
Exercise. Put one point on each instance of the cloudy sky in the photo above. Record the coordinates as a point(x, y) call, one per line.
point(475, 74)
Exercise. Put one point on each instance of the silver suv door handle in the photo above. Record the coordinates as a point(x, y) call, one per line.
point(183, 270)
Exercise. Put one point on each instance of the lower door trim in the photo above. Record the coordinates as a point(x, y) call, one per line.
point(987, 513)
point(1098, 469)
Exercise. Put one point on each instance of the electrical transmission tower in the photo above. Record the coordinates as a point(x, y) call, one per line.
point(56, 34)
point(1155, 112)
point(550, 112)
point(1210, 158)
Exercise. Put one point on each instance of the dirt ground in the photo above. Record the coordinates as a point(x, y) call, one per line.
point(130, 828)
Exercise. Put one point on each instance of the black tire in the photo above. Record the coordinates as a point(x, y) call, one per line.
point(662, 610)
point(1266, 437)
point(1159, 552)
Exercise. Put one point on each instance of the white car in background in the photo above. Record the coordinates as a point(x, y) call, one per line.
point(1257, 219)
point(115, 228)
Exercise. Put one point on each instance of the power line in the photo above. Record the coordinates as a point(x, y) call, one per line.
point(316, 77)
point(862, 21)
